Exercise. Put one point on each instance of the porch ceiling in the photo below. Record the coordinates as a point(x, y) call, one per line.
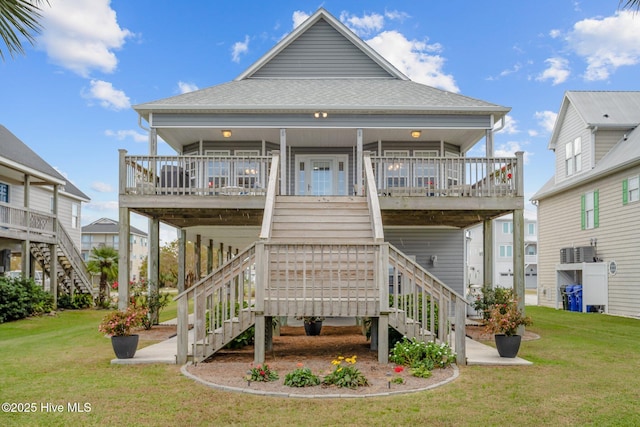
point(320, 137)
point(438, 218)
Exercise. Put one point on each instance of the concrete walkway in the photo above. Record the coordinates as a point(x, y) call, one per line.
point(165, 351)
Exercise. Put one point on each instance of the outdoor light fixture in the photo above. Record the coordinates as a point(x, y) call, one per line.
point(415, 134)
point(320, 114)
point(226, 133)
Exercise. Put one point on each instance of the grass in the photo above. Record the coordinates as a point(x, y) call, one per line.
point(584, 373)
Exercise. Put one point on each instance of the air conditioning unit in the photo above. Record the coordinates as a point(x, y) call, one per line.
point(584, 254)
point(567, 256)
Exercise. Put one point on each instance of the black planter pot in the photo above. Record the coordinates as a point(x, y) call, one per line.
point(313, 328)
point(125, 347)
point(508, 345)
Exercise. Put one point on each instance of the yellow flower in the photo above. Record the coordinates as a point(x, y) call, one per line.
point(340, 357)
point(335, 362)
point(339, 369)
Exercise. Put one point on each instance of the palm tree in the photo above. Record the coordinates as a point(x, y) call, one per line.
point(19, 17)
point(624, 4)
point(105, 262)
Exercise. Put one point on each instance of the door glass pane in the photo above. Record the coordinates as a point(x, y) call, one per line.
point(321, 178)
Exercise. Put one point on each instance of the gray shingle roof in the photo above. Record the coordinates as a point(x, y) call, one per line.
point(310, 94)
point(13, 149)
point(108, 226)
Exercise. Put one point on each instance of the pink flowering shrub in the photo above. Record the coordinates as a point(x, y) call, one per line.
point(506, 318)
point(121, 323)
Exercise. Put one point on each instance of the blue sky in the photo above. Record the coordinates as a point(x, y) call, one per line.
point(69, 98)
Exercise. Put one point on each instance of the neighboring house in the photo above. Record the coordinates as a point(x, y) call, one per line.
point(40, 215)
point(589, 212)
point(503, 252)
point(333, 180)
point(104, 233)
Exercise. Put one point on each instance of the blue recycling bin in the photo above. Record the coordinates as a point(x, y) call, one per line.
point(571, 297)
point(577, 289)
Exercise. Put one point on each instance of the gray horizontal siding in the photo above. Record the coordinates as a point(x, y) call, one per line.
point(321, 52)
point(447, 245)
point(372, 121)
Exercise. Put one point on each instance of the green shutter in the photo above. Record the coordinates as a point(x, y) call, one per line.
point(625, 191)
point(596, 209)
point(582, 212)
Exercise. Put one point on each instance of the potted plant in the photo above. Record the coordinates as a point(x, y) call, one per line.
point(312, 324)
point(503, 321)
point(119, 325)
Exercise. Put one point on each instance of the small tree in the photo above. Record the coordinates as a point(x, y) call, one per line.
point(104, 261)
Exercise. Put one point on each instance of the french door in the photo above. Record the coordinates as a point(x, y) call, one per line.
point(321, 175)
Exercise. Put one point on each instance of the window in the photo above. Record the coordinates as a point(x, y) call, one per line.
point(573, 156)
point(75, 215)
point(396, 171)
point(531, 229)
point(631, 190)
point(217, 169)
point(4, 193)
point(590, 210)
point(425, 169)
point(507, 227)
point(247, 171)
point(506, 251)
point(530, 250)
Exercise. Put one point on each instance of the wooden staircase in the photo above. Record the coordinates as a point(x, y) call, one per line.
point(71, 270)
point(319, 219)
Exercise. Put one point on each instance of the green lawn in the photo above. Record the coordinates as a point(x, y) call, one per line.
point(585, 372)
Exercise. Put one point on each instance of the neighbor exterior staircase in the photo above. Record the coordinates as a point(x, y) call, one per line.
point(71, 269)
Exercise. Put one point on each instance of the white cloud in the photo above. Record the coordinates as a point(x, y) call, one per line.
point(554, 34)
point(365, 25)
point(185, 87)
point(101, 187)
point(509, 149)
point(81, 35)
point(105, 206)
point(299, 17)
point(107, 95)
point(415, 59)
point(510, 126)
point(557, 71)
point(239, 48)
point(396, 15)
point(123, 134)
point(546, 120)
point(606, 44)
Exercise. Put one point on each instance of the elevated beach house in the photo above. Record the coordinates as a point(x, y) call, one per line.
point(40, 214)
point(335, 185)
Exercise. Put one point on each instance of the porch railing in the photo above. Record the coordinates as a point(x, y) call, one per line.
point(443, 176)
point(194, 175)
point(14, 220)
point(421, 306)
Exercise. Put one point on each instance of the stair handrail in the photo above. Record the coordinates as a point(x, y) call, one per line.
point(372, 199)
point(435, 288)
point(272, 191)
point(74, 257)
point(201, 292)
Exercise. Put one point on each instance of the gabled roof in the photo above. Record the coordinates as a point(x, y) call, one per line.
point(16, 155)
point(623, 108)
point(107, 226)
point(304, 66)
point(602, 109)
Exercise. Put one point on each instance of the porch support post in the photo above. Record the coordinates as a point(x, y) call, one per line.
point(53, 251)
point(383, 338)
point(197, 249)
point(460, 337)
point(268, 333)
point(261, 269)
point(489, 143)
point(221, 255)
point(26, 243)
point(153, 138)
point(358, 180)
point(210, 257)
point(283, 162)
point(487, 251)
point(123, 258)
point(518, 259)
point(153, 270)
point(182, 250)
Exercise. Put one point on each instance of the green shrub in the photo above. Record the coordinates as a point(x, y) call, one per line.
point(345, 375)
point(301, 377)
point(244, 339)
point(22, 297)
point(77, 302)
point(490, 297)
point(420, 355)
